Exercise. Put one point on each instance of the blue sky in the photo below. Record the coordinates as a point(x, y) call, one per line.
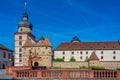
point(61, 20)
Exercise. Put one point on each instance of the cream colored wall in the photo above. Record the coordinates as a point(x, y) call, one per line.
point(25, 29)
point(105, 64)
point(94, 63)
point(70, 64)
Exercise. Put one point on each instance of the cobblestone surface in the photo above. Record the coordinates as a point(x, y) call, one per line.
point(3, 76)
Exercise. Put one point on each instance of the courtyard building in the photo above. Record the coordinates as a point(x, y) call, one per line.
point(5, 57)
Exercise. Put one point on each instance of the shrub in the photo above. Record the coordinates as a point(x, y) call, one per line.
point(59, 59)
point(97, 67)
point(118, 69)
point(72, 59)
point(86, 60)
point(83, 67)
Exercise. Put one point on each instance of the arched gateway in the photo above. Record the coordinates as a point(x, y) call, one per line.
point(36, 64)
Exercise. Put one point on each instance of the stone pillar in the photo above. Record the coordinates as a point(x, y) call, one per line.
point(118, 74)
point(39, 74)
point(91, 74)
point(64, 74)
point(14, 75)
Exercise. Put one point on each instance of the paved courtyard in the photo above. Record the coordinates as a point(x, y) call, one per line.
point(3, 76)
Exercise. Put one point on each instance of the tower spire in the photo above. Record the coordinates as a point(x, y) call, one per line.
point(25, 15)
point(25, 5)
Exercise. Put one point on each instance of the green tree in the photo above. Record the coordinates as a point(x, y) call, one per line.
point(118, 69)
point(72, 59)
point(59, 60)
point(97, 67)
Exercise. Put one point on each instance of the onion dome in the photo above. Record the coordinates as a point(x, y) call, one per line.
point(24, 22)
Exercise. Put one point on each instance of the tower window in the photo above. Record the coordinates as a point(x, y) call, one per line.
point(21, 29)
point(20, 55)
point(20, 43)
point(20, 60)
point(20, 50)
point(20, 37)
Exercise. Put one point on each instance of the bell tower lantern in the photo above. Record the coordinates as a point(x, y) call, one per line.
point(24, 25)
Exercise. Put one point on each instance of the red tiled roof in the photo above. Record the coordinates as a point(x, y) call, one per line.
point(88, 46)
point(93, 56)
point(45, 42)
point(2, 47)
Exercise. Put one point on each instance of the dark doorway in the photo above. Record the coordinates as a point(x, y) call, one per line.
point(3, 66)
point(36, 64)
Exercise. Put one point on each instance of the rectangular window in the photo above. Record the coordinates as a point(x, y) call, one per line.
point(20, 50)
point(86, 57)
point(81, 52)
point(9, 56)
point(114, 57)
point(20, 43)
point(4, 54)
point(63, 53)
point(80, 57)
point(20, 60)
point(72, 52)
point(86, 52)
point(20, 37)
point(20, 55)
point(63, 57)
point(114, 52)
point(101, 57)
point(101, 52)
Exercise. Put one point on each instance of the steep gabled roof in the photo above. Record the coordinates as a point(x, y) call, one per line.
point(88, 46)
point(93, 56)
point(47, 42)
point(2, 47)
point(44, 42)
point(28, 42)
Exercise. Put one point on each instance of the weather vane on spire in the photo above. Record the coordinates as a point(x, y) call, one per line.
point(25, 4)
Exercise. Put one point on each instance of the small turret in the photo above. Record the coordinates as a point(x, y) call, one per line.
point(75, 39)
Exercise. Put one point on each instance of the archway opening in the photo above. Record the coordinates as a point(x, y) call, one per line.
point(3, 66)
point(36, 64)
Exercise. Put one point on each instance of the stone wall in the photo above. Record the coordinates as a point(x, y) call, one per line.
point(105, 64)
point(110, 64)
point(69, 64)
